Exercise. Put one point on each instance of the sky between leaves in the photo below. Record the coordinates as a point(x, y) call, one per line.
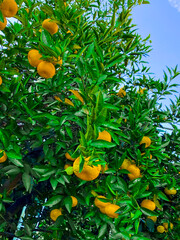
point(161, 20)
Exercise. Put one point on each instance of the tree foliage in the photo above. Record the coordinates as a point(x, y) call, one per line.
point(43, 119)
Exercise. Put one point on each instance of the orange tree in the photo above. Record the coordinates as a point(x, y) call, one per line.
point(86, 150)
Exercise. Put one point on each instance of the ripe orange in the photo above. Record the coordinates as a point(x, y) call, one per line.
point(3, 24)
point(160, 229)
point(98, 203)
point(67, 155)
point(146, 140)
point(166, 226)
point(88, 173)
point(34, 57)
point(126, 163)
point(57, 61)
point(153, 218)
point(74, 201)
point(46, 69)
point(104, 135)
point(0, 80)
point(121, 93)
point(50, 26)
point(4, 157)
point(171, 191)
point(134, 172)
point(55, 213)
point(9, 8)
point(146, 203)
point(111, 209)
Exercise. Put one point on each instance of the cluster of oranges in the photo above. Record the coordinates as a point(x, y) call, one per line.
point(45, 69)
point(8, 8)
point(55, 213)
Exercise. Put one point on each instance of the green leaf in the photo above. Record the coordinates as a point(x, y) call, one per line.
point(113, 126)
point(17, 162)
point(26, 181)
point(102, 230)
point(162, 196)
point(53, 201)
point(81, 163)
point(54, 183)
point(122, 184)
point(68, 203)
point(14, 155)
point(148, 212)
point(4, 138)
point(102, 144)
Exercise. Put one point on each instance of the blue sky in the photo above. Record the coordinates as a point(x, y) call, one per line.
point(160, 19)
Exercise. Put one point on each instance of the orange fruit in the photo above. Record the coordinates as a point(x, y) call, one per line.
point(146, 203)
point(89, 172)
point(146, 140)
point(98, 203)
point(57, 61)
point(153, 218)
point(46, 69)
point(166, 226)
point(160, 229)
point(111, 209)
point(3, 24)
point(0, 80)
point(121, 93)
point(74, 201)
point(9, 8)
point(55, 213)
point(4, 157)
point(102, 209)
point(34, 57)
point(134, 172)
point(126, 163)
point(50, 26)
point(104, 135)
point(171, 191)
point(67, 155)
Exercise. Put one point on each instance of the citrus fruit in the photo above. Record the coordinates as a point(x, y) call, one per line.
point(121, 93)
point(126, 163)
point(0, 80)
point(160, 229)
point(166, 226)
point(55, 213)
point(3, 24)
point(34, 57)
point(104, 135)
point(153, 218)
point(146, 140)
point(89, 172)
point(74, 201)
point(50, 26)
point(98, 203)
point(134, 172)
point(146, 203)
point(9, 8)
point(67, 155)
point(46, 69)
point(4, 157)
point(171, 191)
point(111, 209)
